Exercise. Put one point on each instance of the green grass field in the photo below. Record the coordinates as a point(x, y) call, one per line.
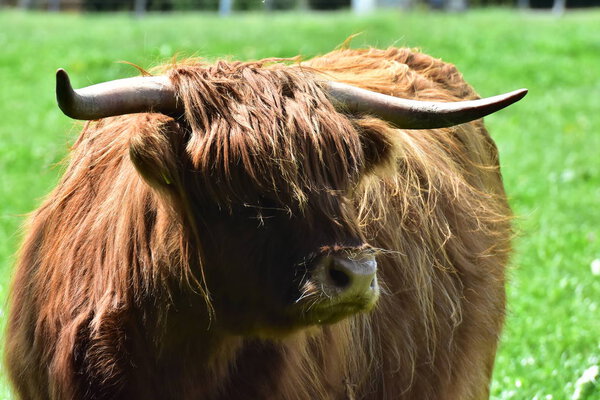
point(549, 143)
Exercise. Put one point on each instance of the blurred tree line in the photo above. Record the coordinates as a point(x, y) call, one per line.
point(247, 5)
point(174, 5)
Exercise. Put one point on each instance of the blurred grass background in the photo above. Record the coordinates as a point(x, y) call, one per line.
point(549, 143)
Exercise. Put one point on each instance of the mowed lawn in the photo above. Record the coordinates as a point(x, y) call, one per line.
point(549, 143)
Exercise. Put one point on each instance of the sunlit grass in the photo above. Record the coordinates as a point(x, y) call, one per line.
point(549, 143)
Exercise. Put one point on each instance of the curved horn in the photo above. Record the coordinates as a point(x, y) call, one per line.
point(123, 96)
point(156, 94)
point(415, 114)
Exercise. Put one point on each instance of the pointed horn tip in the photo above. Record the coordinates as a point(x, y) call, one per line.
point(62, 80)
point(501, 101)
point(520, 93)
point(509, 98)
point(515, 95)
point(64, 92)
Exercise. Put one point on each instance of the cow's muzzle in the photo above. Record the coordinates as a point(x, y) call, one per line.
point(343, 277)
point(344, 284)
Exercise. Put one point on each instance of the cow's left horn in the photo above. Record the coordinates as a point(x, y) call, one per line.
point(122, 96)
point(416, 114)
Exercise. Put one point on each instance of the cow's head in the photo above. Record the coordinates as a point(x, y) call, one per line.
point(265, 162)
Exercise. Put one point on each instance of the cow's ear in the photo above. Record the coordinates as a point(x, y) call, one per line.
point(154, 151)
point(378, 142)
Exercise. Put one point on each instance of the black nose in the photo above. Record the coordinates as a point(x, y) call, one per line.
point(347, 276)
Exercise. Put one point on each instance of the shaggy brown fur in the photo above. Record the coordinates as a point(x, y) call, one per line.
point(154, 269)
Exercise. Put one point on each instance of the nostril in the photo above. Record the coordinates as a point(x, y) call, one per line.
point(372, 285)
point(339, 277)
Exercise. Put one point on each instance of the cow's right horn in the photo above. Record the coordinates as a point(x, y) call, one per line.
point(417, 114)
point(122, 96)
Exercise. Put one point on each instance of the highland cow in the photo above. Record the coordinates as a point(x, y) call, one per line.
point(329, 229)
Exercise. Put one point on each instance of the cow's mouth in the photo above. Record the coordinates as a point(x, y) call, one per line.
point(331, 310)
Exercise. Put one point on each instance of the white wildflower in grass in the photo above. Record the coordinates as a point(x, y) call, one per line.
point(518, 383)
point(567, 175)
point(595, 267)
point(527, 361)
point(587, 386)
